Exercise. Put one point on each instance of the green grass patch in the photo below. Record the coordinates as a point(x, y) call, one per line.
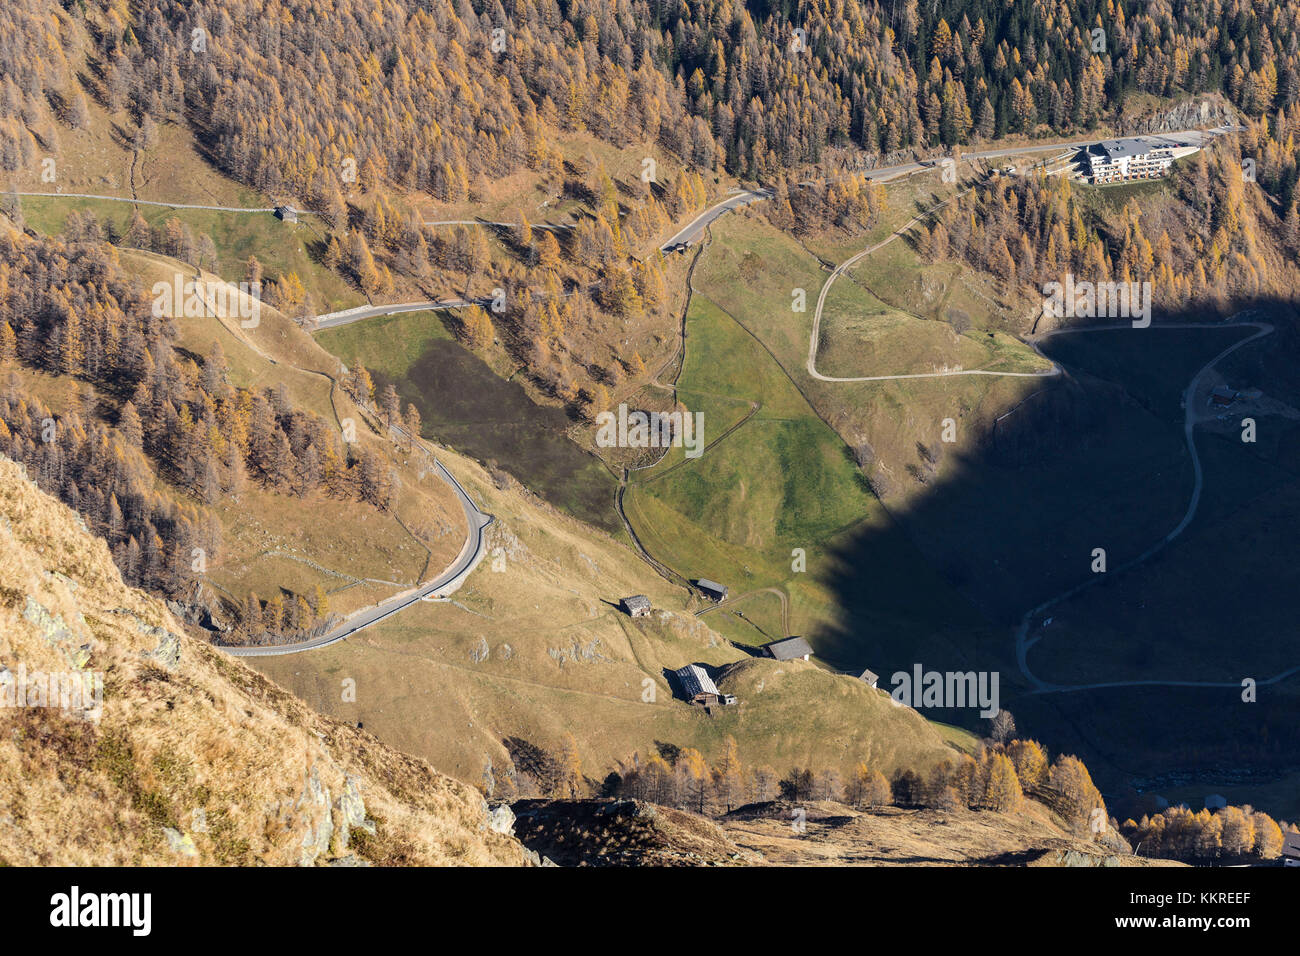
point(280, 247)
point(391, 343)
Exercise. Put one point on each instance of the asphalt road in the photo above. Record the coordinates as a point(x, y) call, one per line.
point(695, 229)
point(332, 320)
point(471, 553)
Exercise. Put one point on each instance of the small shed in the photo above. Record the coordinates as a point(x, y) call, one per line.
point(638, 605)
point(788, 649)
point(869, 678)
point(698, 687)
point(1291, 848)
point(286, 214)
point(712, 589)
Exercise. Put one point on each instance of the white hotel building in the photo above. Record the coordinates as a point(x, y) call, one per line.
point(1123, 160)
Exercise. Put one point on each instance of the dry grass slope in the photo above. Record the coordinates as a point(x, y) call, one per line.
point(820, 833)
point(537, 651)
point(195, 758)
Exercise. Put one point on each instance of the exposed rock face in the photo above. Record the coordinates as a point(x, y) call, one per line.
point(316, 819)
point(622, 833)
point(168, 651)
point(350, 814)
point(179, 843)
point(199, 606)
point(502, 820)
point(51, 627)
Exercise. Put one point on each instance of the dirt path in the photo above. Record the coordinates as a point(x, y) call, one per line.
point(785, 606)
point(148, 202)
point(1190, 417)
point(1023, 641)
point(814, 339)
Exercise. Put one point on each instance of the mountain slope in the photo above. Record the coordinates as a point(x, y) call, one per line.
point(194, 758)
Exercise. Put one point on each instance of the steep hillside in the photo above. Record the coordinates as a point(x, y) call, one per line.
point(217, 454)
point(531, 648)
point(191, 757)
point(900, 466)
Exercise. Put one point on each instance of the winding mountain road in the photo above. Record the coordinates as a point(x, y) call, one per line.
point(697, 226)
point(471, 553)
point(1023, 641)
point(693, 230)
point(477, 521)
point(332, 320)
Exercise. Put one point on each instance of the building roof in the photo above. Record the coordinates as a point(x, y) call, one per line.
point(869, 677)
point(1113, 149)
point(1291, 844)
point(708, 585)
point(636, 601)
point(695, 680)
point(788, 649)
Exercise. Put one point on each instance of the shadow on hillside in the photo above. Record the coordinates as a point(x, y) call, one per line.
point(1010, 517)
point(463, 403)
